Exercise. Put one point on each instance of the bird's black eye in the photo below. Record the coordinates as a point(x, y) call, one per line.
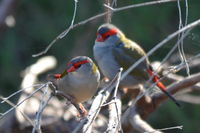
point(77, 65)
point(107, 36)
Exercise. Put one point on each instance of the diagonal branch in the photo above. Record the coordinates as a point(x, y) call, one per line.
point(138, 5)
point(139, 124)
point(63, 34)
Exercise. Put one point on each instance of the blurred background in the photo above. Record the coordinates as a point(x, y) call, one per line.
point(27, 27)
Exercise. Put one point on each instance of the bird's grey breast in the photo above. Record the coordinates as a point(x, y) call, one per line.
point(105, 59)
point(81, 87)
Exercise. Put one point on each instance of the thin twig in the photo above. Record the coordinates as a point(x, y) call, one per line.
point(19, 103)
point(168, 128)
point(64, 33)
point(180, 46)
point(138, 5)
point(15, 93)
point(23, 114)
point(163, 42)
point(95, 17)
point(173, 49)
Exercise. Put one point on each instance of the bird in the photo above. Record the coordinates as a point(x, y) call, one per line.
point(112, 50)
point(78, 82)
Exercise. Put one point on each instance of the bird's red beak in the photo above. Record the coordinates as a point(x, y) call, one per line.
point(99, 38)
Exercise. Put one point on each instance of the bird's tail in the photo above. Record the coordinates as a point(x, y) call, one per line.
point(161, 86)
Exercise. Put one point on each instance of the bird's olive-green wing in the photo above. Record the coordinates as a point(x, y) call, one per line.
point(128, 53)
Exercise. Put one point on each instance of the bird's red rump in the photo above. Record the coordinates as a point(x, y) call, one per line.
point(102, 37)
point(156, 80)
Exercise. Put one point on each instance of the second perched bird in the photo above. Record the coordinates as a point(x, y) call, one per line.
point(78, 82)
point(113, 50)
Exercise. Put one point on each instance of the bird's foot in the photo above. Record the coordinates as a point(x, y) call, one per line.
point(82, 111)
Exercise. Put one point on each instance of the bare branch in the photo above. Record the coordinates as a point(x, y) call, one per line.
point(168, 38)
point(43, 103)
point(144, 107)
point(4, 99)
point(93, 18)
point(139, 124)
point(180, 46)
point(175, 77)
point(63, 34)
point(114, 122)
point(166, 129)
point(173, 88)
point(19, 103)
point(138, 5)
point(115, 113)
point(30, 75)
point(23, 114)
point(188, 98)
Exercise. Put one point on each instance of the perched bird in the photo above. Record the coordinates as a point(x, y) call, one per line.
point(113, 50)
point(78, 82)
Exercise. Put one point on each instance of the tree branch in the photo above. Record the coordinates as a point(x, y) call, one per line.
point(188, 98)
point(114, 122)
point(145, 107)
point(139, 124)
point(180, 85)
point(66, 31)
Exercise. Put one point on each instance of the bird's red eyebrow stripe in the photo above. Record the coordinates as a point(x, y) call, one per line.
point(80, 63)
point(76, 65)
point(110, 32)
